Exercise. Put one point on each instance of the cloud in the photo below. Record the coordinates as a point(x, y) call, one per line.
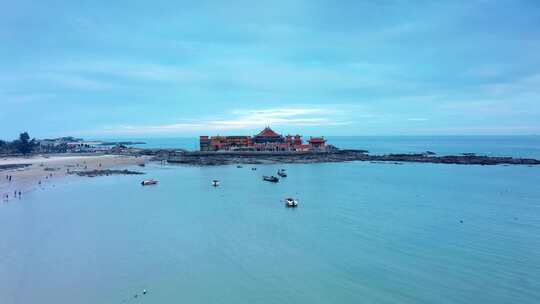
point(75, 81)
point(485, 71)
point(242, 119)
point(529, 85)
point(24, 98)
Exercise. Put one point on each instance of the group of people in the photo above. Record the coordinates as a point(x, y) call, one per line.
point(46, 177)
point(18, 193)
point(15, 194)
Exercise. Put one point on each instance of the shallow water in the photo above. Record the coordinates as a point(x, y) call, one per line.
point(364, 233)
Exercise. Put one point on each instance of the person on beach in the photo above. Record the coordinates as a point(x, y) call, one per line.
point(19, 193)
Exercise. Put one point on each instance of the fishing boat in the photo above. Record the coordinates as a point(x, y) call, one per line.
point(282, 173)
point(291, 202)
point(148, 182)
point(215, 183)
point(272, 179)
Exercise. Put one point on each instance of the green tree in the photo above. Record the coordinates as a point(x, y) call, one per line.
point(24, 144)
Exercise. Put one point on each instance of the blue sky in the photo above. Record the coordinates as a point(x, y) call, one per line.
point(156, 68)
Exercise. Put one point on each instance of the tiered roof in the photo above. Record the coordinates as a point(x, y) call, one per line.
point(267, 132)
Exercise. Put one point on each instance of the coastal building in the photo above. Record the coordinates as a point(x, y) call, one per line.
point(268, 136)
point(70, 144)
point(266, 140)
point(317, 143)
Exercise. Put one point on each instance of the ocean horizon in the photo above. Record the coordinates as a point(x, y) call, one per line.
point(491, 145)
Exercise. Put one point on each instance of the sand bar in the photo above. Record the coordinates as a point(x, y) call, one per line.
point(49, 169)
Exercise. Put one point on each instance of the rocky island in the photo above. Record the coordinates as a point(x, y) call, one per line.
point(227, 158)
point(269, 147)
point(105, 172)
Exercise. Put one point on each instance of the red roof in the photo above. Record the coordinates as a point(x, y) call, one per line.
point(317, 140)
point(267, 132)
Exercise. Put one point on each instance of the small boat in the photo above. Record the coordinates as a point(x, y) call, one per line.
point(239, 167)
point(272, 179)
point(148, 182)
point(215, 183)
point(291, 202)
point(282, 173)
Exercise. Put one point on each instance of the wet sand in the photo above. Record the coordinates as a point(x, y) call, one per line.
point(49, 169)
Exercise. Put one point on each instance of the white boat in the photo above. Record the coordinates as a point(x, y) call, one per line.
point(148, 182)
point(291, 202)
point(215, 183)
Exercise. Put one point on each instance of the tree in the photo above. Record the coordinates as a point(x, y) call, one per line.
point(24, 145)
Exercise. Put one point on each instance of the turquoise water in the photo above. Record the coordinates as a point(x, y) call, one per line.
point(364, 233)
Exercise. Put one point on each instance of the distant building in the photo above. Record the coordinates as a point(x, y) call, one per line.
point(70, 144)
point(204, 142)
point(317, 143)
point(266, 140)
point(268, 136)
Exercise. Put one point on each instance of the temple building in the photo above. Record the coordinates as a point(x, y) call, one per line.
point(268, 136)
point(266, 140)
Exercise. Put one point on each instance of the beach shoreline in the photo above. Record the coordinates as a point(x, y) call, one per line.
point(30, 173)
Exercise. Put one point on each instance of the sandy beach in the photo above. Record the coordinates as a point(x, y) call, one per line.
point(44, 170)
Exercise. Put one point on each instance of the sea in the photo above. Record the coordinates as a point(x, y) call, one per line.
point(362, 233)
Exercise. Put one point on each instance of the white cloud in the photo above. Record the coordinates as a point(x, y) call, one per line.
point(75, 81)
point(243, 119)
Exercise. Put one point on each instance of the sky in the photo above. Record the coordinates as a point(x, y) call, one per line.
point(101, 69)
